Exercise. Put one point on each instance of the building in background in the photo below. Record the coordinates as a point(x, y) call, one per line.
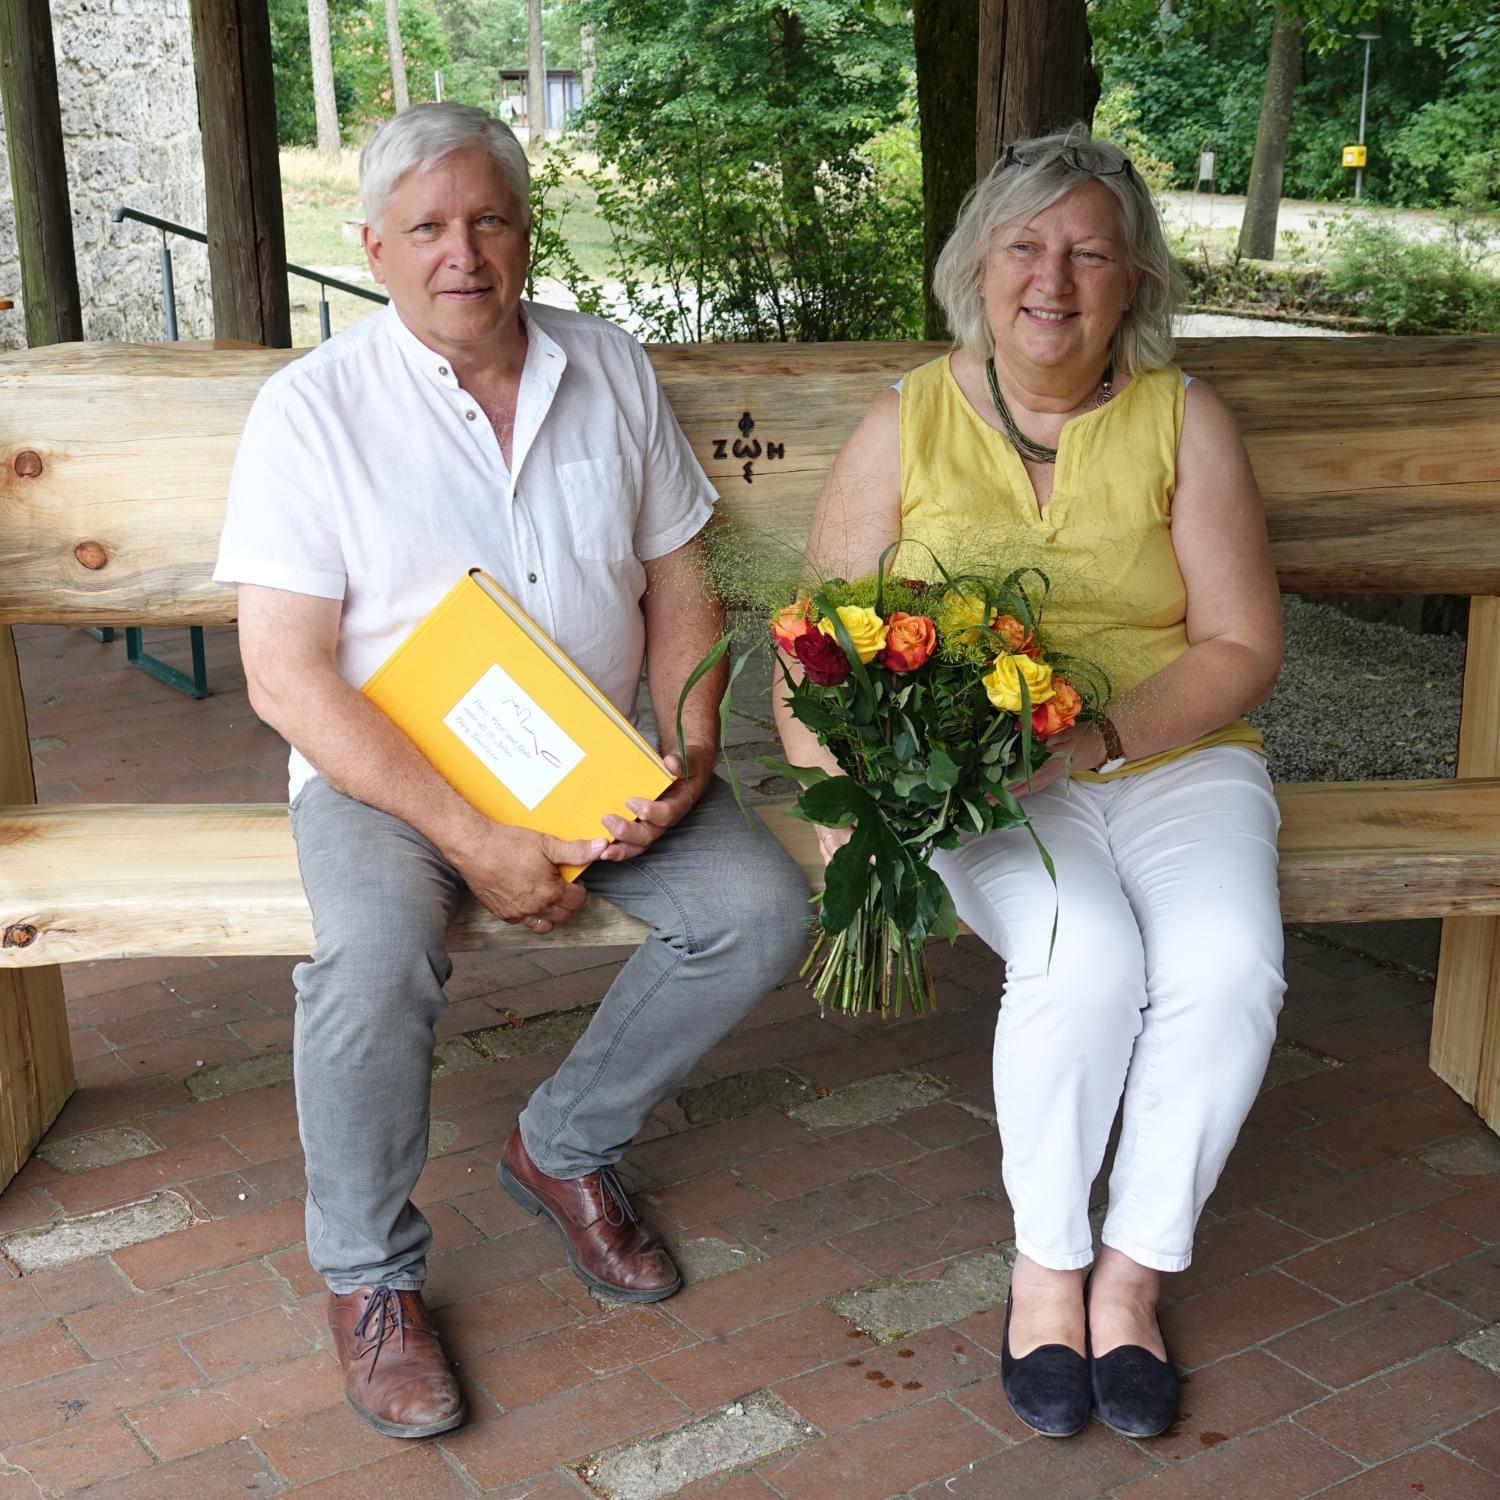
point(564, 99)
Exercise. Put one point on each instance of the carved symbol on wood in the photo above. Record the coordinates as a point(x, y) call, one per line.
point(747, 448)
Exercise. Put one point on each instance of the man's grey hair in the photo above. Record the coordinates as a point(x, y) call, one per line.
point(423, 135)
point(1030, 178)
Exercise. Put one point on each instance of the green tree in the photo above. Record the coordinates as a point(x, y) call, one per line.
point(484, 36)
point(746, 181)
point(361, 63)
point(1196, 72)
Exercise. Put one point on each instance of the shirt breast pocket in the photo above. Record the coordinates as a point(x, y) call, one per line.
point(600, 496)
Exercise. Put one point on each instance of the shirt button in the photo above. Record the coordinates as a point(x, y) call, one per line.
point(442, 369)
point(531, 578)
point(470, 415)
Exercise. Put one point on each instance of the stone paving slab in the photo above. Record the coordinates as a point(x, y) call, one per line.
point(1337, 1324)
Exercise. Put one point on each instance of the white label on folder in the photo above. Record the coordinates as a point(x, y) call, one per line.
point(504, 726)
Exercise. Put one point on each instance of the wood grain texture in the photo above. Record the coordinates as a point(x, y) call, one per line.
point(1466, 1005)
point(36, 1059)
point(92, 882)
point(1379, 458)
point(241, 170)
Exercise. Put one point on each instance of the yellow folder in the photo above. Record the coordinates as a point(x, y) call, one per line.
point(503, 715)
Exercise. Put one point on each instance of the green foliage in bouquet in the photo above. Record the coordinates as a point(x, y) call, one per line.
point(934, 699)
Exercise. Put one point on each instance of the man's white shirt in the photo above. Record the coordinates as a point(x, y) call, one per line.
point(367, 474)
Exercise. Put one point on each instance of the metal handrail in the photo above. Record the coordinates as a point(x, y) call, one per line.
point(168, 286)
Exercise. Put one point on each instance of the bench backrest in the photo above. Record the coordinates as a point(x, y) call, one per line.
point(1379, 458)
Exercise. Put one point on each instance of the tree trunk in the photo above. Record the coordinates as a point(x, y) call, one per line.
point(324, 104)
point(586, 60)
point(241, 171)
point(946, 33)
point(38, 175)
point(536, 79)
point(1263, 196)
point(1036, 74)
point(398, 59)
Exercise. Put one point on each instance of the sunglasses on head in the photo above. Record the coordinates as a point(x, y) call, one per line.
point(1072, 156)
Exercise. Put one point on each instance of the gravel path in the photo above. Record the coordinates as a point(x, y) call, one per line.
point(1359, 701)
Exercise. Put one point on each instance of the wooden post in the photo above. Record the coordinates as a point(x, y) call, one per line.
point(38, 174)
point(1466, 1016)
point(241, 171)
point(945, 35)
point(36, 1058)
point(1035, 72)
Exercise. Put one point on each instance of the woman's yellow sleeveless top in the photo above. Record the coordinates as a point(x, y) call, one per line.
point(1117, 598)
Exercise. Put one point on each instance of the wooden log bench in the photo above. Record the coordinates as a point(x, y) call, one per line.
point(1380, 464)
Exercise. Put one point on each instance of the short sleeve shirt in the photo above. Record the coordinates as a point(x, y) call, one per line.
point(367, 474)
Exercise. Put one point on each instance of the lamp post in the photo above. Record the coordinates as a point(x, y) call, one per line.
point(1368, 38)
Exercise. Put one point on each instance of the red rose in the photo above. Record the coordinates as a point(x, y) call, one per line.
point(909, 641)
point(822, 658)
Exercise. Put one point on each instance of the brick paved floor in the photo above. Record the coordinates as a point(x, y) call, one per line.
point(1334, 1328)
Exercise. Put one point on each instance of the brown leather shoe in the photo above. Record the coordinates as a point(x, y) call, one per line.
point(395, 1373)
point(608, 1247)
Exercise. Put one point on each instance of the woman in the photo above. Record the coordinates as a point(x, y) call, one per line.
point(1058, 433)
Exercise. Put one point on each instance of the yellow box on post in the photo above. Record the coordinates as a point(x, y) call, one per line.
point(1356, 156)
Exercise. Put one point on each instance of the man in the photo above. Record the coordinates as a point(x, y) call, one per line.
point(462, 428)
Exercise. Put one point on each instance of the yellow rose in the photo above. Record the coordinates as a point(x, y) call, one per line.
point(960, 616)
point(866, 629)
point(1003, 683)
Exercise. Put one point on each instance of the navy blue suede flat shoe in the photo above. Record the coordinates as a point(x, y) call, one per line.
point(1135, 1392)
point(1048, 1389)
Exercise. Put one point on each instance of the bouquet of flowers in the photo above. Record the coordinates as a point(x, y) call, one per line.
point(934, 699)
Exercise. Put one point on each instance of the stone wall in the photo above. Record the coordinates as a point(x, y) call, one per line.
point(130, 132)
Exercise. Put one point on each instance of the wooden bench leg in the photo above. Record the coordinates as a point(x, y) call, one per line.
point(1466, 1020)
point(1466, 1017)
point(36, 1059)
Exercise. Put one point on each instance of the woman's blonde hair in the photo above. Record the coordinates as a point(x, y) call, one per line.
point(1033, 175)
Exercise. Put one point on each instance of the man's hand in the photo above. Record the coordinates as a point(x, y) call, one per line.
point(652, 819)
point(513, 873)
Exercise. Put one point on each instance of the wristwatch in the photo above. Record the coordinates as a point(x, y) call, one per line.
point(1114, 753)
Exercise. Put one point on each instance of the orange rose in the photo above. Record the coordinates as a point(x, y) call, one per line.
point(1059, 712)
point(909, 641)
point(787, 624)
point(1019, 641)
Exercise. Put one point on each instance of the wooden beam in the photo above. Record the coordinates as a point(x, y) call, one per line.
point(1379, 459)
point(36, 1059)
point(82, 882)
point(1035, 72)
point(241, 171)
point(38, 174)
point(1466, 1007)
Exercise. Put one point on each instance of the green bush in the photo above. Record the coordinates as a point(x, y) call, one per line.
point(760, 172)
point(1444, 285)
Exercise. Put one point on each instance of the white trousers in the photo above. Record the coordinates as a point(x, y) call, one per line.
point(1162, 993)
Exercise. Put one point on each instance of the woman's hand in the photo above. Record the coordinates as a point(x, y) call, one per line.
point(831, 840)
point(1087, 747)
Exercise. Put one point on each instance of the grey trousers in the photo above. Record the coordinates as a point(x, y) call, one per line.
point(728, 913)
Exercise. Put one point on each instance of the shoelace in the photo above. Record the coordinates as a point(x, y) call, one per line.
point(384, 1307)
point(614, 1196)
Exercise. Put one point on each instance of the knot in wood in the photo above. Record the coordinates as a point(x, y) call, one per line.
point(92, 555)
point(27, 463)
point(19, 935)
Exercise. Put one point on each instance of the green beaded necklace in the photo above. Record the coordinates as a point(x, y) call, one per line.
point(1038, 453)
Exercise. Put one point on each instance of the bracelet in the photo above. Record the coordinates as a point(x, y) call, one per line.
point(1113, 750)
